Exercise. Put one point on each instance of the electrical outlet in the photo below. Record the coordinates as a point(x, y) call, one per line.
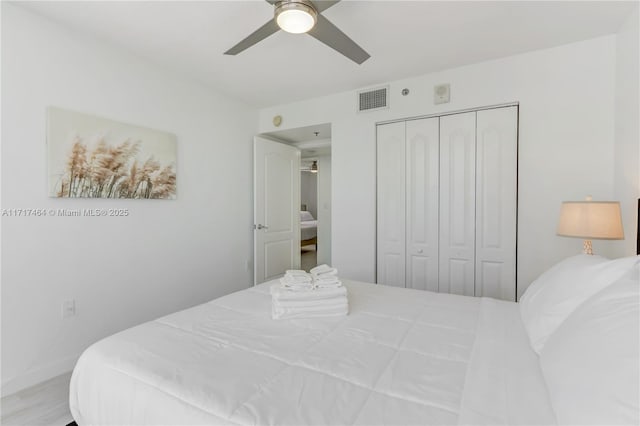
point(68, 309)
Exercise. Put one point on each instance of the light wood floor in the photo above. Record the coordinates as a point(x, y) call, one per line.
point(308, 258)
point(44, 404)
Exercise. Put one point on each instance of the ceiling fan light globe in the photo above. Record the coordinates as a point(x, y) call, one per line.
point(295, 17)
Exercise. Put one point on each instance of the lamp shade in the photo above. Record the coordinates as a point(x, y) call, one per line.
point(598, 220)
point(295, 16)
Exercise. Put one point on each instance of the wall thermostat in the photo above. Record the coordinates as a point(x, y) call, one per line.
point(277, 120)
point(441, 94)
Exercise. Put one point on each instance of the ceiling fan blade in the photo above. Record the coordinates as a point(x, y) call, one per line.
point(322, 5)
point(258, 35)
point(331, 35)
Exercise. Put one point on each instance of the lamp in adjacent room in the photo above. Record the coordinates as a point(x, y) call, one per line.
point(314, 167)
point(591, 220)
point(295, 16)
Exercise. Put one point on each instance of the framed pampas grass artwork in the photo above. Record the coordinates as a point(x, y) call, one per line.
point(94, 157)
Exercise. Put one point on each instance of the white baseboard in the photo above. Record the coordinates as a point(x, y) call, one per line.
point(38, 375)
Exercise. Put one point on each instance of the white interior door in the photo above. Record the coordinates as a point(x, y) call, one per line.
point(422, 169)
point(276, 185)
point(457, 203)
point(391, 234)
point(496, 190)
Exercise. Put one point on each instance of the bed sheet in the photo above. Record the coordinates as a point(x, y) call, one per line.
point(401, 357)
point(308, 229)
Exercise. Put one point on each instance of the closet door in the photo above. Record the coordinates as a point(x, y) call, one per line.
point(422, 158)
point(391, 204)
point(496, 189)
point(457, 203)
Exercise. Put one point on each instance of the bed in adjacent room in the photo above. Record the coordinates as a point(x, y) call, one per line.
point(308, 229)
point(400, 357)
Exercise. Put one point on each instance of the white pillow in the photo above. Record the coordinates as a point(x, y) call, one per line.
point(551, 298)
point(306, 216)
point(591, 363)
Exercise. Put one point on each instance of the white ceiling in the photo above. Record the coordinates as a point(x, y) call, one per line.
point(313, 154)
point(404, 38)
point(303, 134)
point(313, 141)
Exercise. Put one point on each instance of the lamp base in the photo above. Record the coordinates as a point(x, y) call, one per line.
point(586, 247)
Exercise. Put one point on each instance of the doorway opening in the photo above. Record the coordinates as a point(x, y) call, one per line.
point(314, 143)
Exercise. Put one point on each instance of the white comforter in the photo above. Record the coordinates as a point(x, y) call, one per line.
point(402, 357)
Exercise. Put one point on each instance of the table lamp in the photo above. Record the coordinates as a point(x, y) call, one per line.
point(591, 220)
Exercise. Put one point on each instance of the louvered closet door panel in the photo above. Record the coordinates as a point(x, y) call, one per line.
point(391, 204)
point(496, 189)
point(422, 203)
point(457, 203)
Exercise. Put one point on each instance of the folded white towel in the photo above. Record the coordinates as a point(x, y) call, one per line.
point(296, 272)
point(279, 292)
point(328, 284)
point(298, 279)
point(323, 269)
point(298, 288)
point(309, 306)
point(333, 271)
point(310, 296)
point(299, 308)
point(308, 315)
point(327, 298)
point(289, 313)
point(325, 278)
point(325, 275)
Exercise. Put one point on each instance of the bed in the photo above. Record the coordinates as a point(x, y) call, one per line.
point(401, 357)
point(308, 229)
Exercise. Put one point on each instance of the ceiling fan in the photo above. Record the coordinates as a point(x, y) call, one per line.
point(306, 167)
point(304, 16)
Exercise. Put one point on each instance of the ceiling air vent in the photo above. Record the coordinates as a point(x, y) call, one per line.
point(373, 99)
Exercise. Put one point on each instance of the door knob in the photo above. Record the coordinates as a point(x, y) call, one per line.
point(420, 251)
point(260, 226)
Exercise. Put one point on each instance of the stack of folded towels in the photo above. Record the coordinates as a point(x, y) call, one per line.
point(309, 295)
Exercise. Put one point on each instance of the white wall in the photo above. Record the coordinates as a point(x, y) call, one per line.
point(627, 133)
point(309, 192)
point(324, 210)
point(167, 255)
point(566, 97)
